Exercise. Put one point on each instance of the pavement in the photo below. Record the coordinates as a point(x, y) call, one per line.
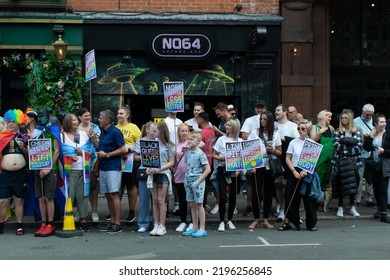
point(241, 204)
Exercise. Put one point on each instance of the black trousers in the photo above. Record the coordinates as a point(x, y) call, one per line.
point(293, 200)
point(222, 186)
point(262, 189)
point(379, 184)
point(181, 192)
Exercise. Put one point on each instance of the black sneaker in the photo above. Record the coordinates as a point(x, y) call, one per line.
point(108, 218)
point(248, 211)
point(115, 229)
point(106, 228)
point(84, 227)
point(130, 218)
point(176, 213)
point(371, 204)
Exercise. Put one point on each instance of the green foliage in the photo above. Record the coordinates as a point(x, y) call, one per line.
point(56, 86)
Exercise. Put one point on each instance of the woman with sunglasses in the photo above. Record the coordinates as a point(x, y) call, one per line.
point(348, 145)
point(263, 183)
point(295, 179)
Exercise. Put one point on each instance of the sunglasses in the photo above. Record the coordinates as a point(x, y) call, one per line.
point(301, 128)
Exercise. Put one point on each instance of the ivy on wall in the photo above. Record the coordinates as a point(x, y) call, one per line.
point(56, 86)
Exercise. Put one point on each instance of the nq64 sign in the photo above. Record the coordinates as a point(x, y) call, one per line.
point(181, 46)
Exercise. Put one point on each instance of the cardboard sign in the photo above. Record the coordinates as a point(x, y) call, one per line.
point(233, 157)
point(39, 154)
point(150, 154)
point(309, 156)
point(174, 96)
point(251, 154)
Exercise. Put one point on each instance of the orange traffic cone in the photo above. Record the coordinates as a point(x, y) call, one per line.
point(69, 229)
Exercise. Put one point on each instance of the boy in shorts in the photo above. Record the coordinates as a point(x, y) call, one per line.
point(194, 183)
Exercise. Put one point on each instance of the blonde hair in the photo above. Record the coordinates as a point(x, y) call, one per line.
point(351, 125)
point(195, 134)
point(164, 133)
point(180, 127)
point(306, 123)
point(235, 123)
point(321, 115)
point(145, 127)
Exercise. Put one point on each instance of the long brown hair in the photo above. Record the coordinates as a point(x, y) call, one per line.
point(270, 127)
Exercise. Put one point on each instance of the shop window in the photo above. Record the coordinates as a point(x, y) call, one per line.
point(360, 32)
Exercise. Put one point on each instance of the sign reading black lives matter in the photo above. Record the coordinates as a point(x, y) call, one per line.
point(39, 154)
point(150, 154)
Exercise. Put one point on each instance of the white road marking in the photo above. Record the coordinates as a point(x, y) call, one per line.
point(267, 244)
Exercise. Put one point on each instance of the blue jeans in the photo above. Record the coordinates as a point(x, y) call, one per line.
point(144, 204)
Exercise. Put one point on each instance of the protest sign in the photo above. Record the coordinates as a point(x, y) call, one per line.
point(39, 153)
point(150, 154)
point(251, 154)
point(127, 161)
point(90, 66)
point(174, 96)
point(309, 156)
point(233, 157)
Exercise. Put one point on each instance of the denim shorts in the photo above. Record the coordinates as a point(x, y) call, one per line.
point(160, 179)
point(194, 194)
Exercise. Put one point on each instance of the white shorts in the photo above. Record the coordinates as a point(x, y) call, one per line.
point(110, 181)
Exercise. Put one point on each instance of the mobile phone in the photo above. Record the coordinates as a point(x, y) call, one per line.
point(269, 143)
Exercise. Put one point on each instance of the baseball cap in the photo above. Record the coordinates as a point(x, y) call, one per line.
point(31, 112)
point(260, 103)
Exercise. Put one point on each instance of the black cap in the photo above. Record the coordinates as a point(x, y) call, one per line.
point(260, 103)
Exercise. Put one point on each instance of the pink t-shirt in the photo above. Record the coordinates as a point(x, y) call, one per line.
point(181, 167)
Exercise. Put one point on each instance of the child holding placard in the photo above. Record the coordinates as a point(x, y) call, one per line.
point(197, 170)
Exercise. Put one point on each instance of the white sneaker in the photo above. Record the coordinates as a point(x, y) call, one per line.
point(221, 227)
point(181, 227)
point(235, 212)
point(161, 230)
point(154, 230)
point(77, 217)
point(353, 212)
point(281, 215)
point(340, 212)
point(95, 217)
point(231, 225)
point(215, 210)
point(142, 229)
point(190, 227)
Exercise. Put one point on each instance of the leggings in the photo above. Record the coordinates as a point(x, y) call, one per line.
point(222, 186)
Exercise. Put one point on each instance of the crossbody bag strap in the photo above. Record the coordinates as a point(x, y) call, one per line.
point(365, 123)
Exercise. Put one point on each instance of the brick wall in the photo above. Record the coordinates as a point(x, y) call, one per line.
point(176, 6)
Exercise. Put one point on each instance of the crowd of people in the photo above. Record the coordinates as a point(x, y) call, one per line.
point(355, 155)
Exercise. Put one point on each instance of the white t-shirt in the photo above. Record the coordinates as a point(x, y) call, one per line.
point(250, 124)
point(172, 127)
point(295, 148)
point(220, 146)
point(288, 129)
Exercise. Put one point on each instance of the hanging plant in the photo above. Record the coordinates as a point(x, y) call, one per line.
point(56, 86)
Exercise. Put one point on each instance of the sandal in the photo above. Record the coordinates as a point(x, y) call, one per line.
point(267, 225)
point(313, 229)
point(20, 231)
point(285, 227)
point(199, 233)
point(254, 225)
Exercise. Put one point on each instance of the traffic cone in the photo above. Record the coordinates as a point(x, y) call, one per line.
point(69, 229)
point(69, 218)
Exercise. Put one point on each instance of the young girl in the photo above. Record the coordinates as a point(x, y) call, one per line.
point(179, 174)
point(148, 133)
point(197, 170)
point(161, 179)
point(219, 154)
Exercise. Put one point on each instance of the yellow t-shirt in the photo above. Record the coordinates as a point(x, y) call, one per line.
point(130, 132)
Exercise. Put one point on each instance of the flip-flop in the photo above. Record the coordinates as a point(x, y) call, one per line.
point(188, 232)
point(199, 233)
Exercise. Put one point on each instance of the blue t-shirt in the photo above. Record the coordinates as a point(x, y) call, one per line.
point(110, 140)
point(195, 161)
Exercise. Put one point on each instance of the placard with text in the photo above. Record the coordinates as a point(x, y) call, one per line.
point(174, 96)
point(309, 156)
point(39, 154)
point(150, 154)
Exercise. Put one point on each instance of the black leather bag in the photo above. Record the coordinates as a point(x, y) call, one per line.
point(141, 174)
point(276, 167)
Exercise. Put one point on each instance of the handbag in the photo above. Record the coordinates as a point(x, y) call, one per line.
point(141, 174)
point(276, 166)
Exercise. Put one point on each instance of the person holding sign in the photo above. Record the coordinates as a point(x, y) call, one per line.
point(45, 180)
point(348, 145)
point(131, 133)
point(263, 183)
point(294, 182)
point(161, 179)
point(13, 171)
point(223, 177)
